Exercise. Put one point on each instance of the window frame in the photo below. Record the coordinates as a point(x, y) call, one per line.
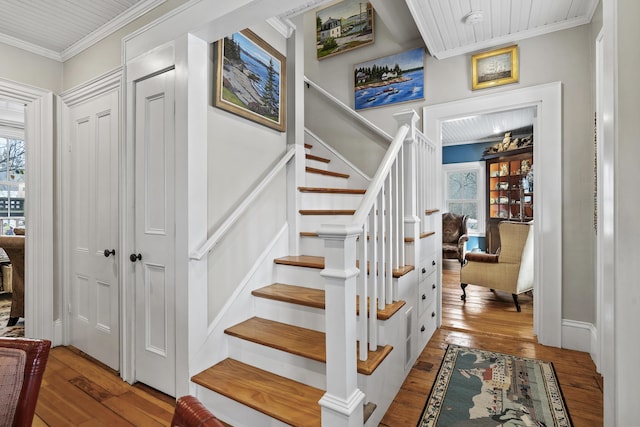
point(479, 167)
point(10, 132)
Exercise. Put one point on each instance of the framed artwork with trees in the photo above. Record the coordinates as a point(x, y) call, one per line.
point(389, 80)
point(250, 79)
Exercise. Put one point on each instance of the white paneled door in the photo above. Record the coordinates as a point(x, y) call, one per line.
point(93, 298)
point(155, 233)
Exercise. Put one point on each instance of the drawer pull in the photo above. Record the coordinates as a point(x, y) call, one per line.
point(433, 262)
point(424, 270)
point(433, 314)
point(422, 329)
point(424, 297)
point(433, 286)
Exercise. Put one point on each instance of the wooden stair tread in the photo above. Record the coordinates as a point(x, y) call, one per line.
point(288, 401)
point(310, 297)
point(300, 295)
point(316, 158)
point(431, 211)
point(308, 146)
point(422, 236)
point(302, 342)
point(331, 190)
point(327, 211)
point(318, 262)
point(301, 261)
point(325, 172)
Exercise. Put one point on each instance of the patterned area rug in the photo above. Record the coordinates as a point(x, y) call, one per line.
point(5, 309)
point(487, 389)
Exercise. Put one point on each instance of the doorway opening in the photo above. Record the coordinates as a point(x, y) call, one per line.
point(547, 100)
point(487, 164)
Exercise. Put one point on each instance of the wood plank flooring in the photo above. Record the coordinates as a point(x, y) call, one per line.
point(77, 391)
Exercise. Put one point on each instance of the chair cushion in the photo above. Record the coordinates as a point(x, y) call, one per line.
point(450, 233)
point(12, 361)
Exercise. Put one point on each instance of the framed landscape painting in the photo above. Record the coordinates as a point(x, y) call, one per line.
point(342, 27)
point(495, 68)
point(389, 80)
point(250, 79)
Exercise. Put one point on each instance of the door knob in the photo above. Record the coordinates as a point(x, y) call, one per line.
point(135, 257)
point(108, 252)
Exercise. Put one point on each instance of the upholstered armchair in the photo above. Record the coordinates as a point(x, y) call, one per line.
point(454, 236)
point(190, 412)
point(510, 270)
point(22, 364)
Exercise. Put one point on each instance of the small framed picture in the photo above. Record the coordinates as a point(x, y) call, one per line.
point(343, 26)
point(250, 79)
point(495, 68)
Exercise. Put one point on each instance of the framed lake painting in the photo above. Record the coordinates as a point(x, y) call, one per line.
point(250, 79)
point(389, 80)
point(342, 27)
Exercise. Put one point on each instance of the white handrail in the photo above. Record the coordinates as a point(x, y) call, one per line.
point(381, 174)
point(212, 241)
point(354, 115)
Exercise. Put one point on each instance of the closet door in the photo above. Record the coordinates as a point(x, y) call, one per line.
point(93, 228)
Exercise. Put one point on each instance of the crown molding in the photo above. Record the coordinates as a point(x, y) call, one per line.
point(30, 47)
point(282, 25)
point(110, 27)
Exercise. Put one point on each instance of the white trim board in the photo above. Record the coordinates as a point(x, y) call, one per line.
point(547, 98)
point(39, 211)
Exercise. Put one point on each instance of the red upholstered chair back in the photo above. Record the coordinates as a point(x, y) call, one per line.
point(37, 354)
point(190, 412)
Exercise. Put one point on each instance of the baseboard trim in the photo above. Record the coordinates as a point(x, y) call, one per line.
point(580, 336)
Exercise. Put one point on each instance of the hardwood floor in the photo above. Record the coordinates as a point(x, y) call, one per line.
point(490, 321)
point(78, 391)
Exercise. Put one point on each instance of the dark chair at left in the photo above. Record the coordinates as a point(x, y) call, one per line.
point(22, 365)
point(190, 412)
point(454, 236)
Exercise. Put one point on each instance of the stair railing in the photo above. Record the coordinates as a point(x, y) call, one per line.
point(362, 255)
point(219, 234)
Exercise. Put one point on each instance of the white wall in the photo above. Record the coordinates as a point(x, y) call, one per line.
point(240, 153)
point(626, 155)
point(565, 56)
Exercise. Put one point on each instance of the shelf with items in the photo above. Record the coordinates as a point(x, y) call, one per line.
point(509, 190)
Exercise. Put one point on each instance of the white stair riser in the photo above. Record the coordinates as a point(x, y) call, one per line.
point(234, 413)
point(329, 201)
point(313, 222)
point(292, 314)
point(281, 363)
point(300, 276)
point(311, 246)
point(319, 180)
point(317, 164)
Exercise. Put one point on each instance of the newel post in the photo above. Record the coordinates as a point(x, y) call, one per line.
point(342, 404)
point(410, 170)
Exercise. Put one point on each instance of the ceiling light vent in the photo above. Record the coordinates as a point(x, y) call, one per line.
point(473, 17)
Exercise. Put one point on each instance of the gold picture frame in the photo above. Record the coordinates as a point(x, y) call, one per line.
point(495, 68)
point(250, 79)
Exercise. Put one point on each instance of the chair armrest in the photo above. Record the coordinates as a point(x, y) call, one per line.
point(463, 238)
point(481, 257)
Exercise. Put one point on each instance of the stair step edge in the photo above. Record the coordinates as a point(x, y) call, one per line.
point(299, 341)
point(286, 400)
point(325, 172)
point(329, 190)
point(315, 298)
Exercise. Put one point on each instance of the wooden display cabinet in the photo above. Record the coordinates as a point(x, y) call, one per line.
point(508, 197)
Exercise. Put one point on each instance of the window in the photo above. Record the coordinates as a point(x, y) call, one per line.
point(464, 193)
point(12, 170)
